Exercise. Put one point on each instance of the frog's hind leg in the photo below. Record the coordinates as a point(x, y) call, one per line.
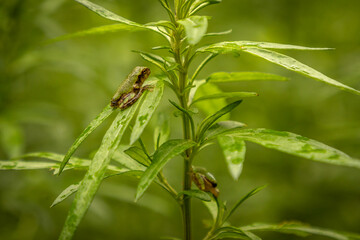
point(118, 103)
point(132, 100)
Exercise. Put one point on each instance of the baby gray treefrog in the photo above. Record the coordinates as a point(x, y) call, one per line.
point(131, 89)
point(204, 180)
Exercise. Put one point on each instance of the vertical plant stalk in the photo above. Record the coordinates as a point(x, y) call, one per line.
point(183, 99)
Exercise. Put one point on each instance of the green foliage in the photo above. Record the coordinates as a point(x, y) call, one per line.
point(243, 76)
point(195, 28)
point(234, 150)
point(296, 145)
point(147, 109)
point(183, 33)
point(300, 230)
point(106, 112)
point(93, 177)
point(166, 152)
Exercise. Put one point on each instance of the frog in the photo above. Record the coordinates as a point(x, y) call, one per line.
point(204, 180)
point(131, 89)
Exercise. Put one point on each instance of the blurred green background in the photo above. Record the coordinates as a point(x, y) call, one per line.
point(48, 94)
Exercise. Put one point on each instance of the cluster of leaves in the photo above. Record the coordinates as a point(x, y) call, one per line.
point(183, 33)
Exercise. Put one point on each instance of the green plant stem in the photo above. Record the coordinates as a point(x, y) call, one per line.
point(186, 207)
point(182, 95)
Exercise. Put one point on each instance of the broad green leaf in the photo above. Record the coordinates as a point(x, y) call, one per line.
point(226, 95)
point(236, 205)
point(213, 105)
point(162, 129)
point(203, 196)
point(92, 179)
point(243, 76)
point(296, 145)
point(234, 150)
point(296, 66)
point(164, 153)
point(209, 121)
point(221, 128)
point(301, 230)
point(226, 47)
point(65, 194)
point(138, 155)
point(147, 109)
point(106, 112)
point(195, 28)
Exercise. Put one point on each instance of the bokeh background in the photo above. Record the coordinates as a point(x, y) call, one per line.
point(49, 93)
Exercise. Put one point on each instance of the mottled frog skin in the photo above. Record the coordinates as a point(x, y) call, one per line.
point(205, 181)
point(131, 89)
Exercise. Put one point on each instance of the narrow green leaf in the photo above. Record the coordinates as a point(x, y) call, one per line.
point(74, 163)
point(111, 28)
point(226, 95)
point(301, 230)
point(125, 160)
point(226, 47)
point(243, 76)
point(252, 236)
point(209, 121)
point(162, 129)
point(202, 4)
point(236, 205)
point(221, 128)
point(138, 155)
point(164, 153)
point(261, 50)
point(92, 179)
point(106, 112)
point(158, 61)
point(26, 165)
point(195, 28)
point(296, 145)
point(147, 109)
point(203, 196)
point(75, 187)
point(65, 194)
point(218, 33)
point(104, 12)
point(193, 90)
point(230, 232)
point(213, 209)
point(234, 150)
point(211, 106)
point(296, 66)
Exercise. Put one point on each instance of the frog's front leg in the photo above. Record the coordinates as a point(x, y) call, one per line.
point(138, 94)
